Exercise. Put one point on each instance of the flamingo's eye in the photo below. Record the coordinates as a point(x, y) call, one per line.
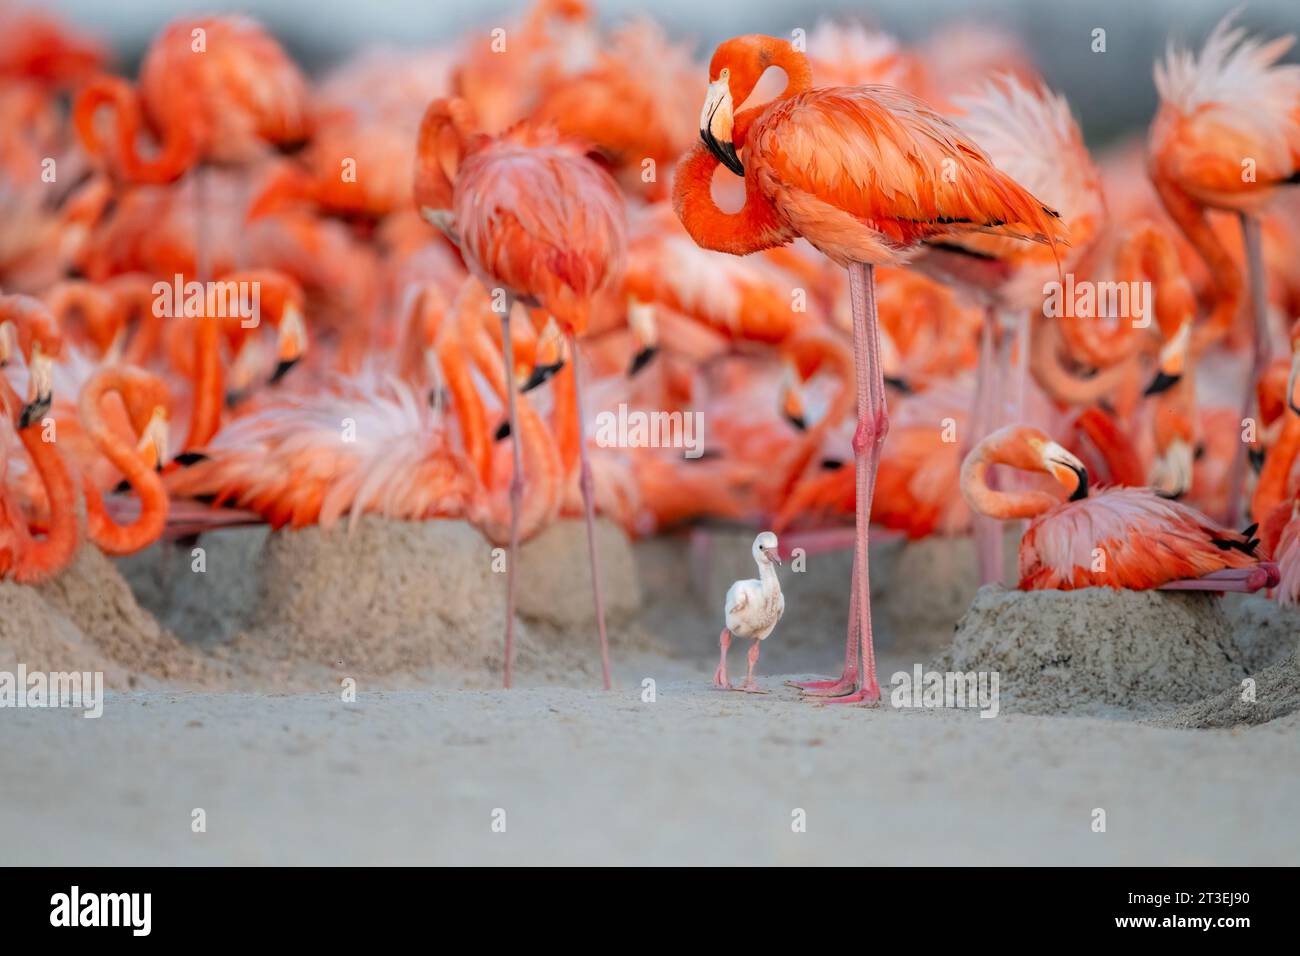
point(726, 73)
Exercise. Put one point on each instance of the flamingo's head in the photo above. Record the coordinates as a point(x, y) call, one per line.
point(1030, 449)
point(1171, 472)
point(792, 404)
point(147, 404)
point(1172, 359)
point(765, 549)
point(734, 71)
point(291, 341)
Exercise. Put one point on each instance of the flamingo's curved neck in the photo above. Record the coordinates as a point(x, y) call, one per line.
point(1190, 217)
point(144, 481)
point(179, 148)
point(209, 396)
point(42, 558)
point(1003, 505)
point(1271, 489)
point(756, 225)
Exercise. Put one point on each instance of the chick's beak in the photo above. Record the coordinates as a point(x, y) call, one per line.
point(773, 556)
point(715, 126)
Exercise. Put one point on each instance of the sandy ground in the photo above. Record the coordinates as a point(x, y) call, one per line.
point(418, 769)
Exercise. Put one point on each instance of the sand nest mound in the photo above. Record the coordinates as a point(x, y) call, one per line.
point(393, 599)
point(924, 587)
point(87, 619)
point(1097, 651)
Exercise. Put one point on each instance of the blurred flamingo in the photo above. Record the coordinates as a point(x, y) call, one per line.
point(1208, 152)
point(536, 221)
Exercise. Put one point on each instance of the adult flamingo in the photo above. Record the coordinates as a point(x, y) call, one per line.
point(1124, 538)
point(1206, 152)
point(537, 220)
point(26, 559)
point(860, 173)
point(215, 89)
point(145, 399)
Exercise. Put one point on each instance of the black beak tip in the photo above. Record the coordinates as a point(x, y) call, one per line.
point(642, 359)
point(899, 384)
point(541, 374)
point(282, 369)
point(1291, 405)
point(725, 152)
point(502, 432)
point(33, 412)
point(1081, 491)
point(1256, 457)
point(1162, 383)
point(798, 421)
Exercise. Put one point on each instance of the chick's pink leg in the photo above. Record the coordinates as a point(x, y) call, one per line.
point(720, 675)
point(751, 686)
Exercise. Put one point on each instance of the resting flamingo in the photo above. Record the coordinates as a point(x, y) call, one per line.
point(1124, 538)
point(537, 220)
point(858, 172)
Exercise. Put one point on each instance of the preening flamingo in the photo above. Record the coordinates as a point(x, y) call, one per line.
point(538, 221)
point(145, 399)
point(858, 172)
point(752, 609)
point(1126, 538)
point(23, 557)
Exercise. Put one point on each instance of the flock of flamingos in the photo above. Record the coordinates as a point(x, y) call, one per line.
point(875, 271)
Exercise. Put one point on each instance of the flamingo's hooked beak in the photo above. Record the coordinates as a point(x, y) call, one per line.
point(549, 356)
point(153, 440)
point(715, 126)
point(645, 334)
point(292, 342)
point(1058, 462)
point(41, 391)
point(792, 408)
point(1171, 475)
point(1172, 360)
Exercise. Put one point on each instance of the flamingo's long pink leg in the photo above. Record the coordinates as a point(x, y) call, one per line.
point(516, 486)
point(585, 483)
point(873, 425)
point(848, 679)
point(720, 675)
point(1250, 234)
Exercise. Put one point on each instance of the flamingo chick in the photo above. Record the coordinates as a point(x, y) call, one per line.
point(752, 610)
point(1123, 538)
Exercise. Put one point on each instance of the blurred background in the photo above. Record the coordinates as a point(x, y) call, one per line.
point(1111, 92)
